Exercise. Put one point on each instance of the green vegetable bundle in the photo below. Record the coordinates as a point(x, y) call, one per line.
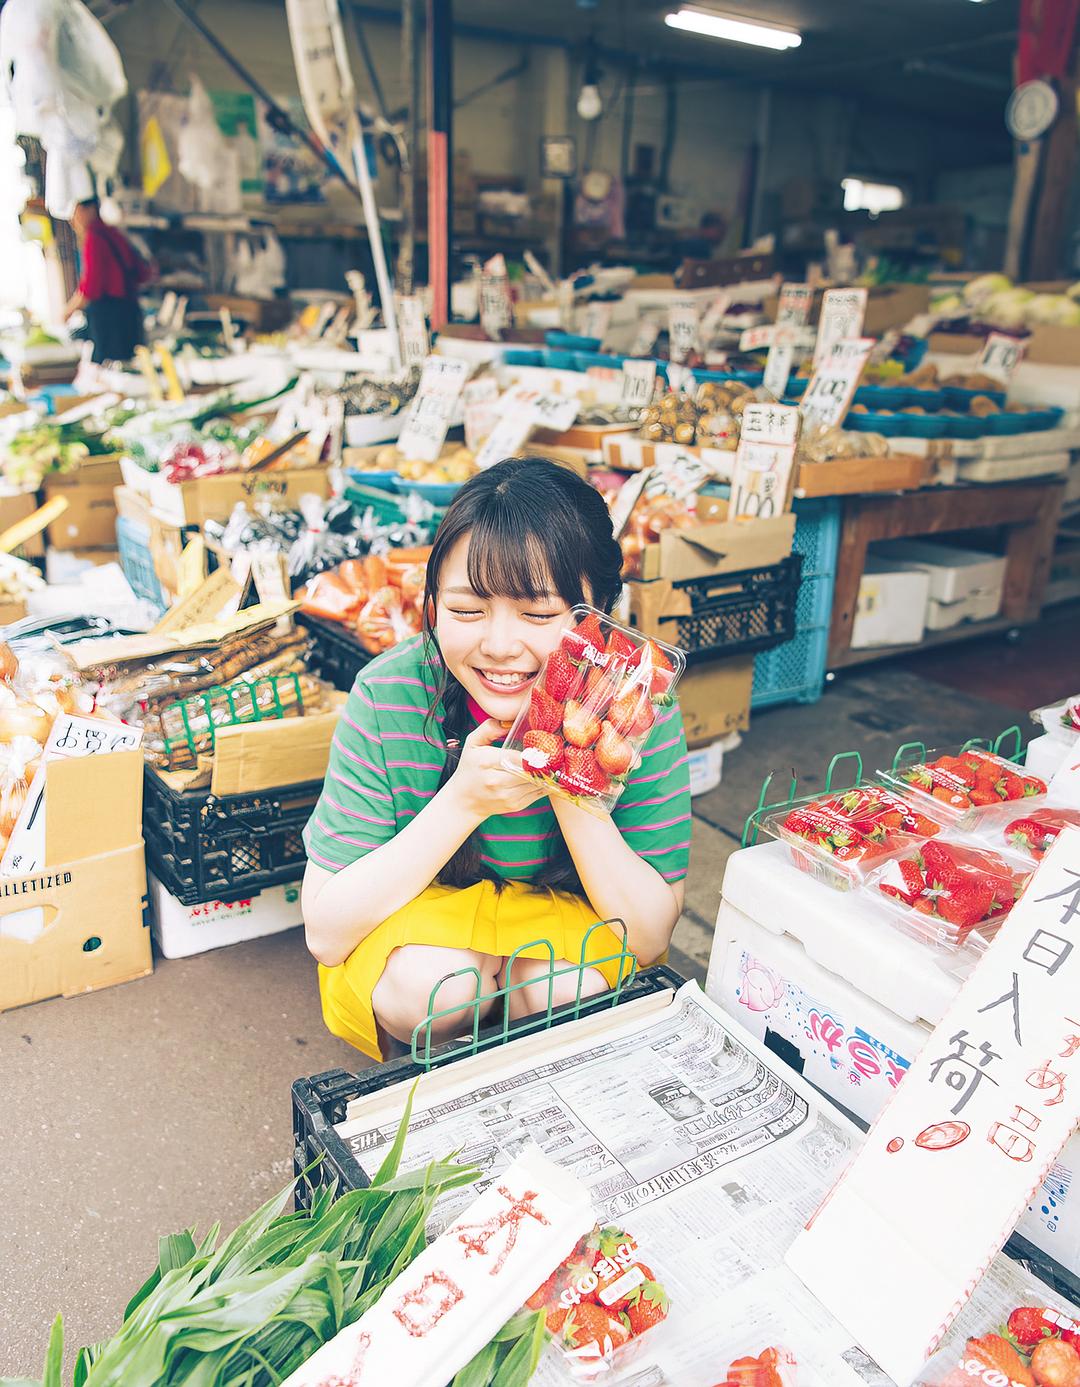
point(250, 1312)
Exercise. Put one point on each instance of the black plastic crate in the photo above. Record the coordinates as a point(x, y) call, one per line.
point(319, 1102)
point(336, 654)
point(737, 613)
point(202, 847)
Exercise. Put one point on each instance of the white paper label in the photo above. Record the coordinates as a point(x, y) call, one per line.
point(778, 368)
point(764, 461)
point(430, 413)
point(496, 312)
point(1000, 357)
point(829, 394)
point(481, 409)
point(412, 329)
point(986, 1106)
point(596, 320)
point(645, 337)
point(842, 314)
point(682, 329)
point(714, 317)
point(638, 382)
point(792, 312)
point(794, 305)
point(506, 438)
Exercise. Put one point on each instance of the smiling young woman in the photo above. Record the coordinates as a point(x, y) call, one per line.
point(426, 855)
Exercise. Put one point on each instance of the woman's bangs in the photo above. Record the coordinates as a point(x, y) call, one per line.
point(505, 562)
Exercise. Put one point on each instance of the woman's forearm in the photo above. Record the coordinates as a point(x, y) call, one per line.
point(619, 884)
point(342, 908)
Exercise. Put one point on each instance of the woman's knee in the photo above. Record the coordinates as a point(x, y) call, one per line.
point(415, 984)
point(540, 985)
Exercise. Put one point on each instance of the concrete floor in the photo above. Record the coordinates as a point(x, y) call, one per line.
point(142, 1109)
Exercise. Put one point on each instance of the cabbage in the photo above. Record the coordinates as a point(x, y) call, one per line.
point(978, 291)
point(1008, 308)
point(1056, 310)
point(950, 306)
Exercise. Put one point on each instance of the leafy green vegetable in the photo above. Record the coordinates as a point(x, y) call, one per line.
point(249, 1312)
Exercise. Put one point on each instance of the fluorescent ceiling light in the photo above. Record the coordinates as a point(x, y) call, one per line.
point(722, 26)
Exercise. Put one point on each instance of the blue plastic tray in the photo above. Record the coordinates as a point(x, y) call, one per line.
point(571, 342)
point(956, 397)
point(964, 426)
point(524, 356)
point(382, 481)
point(438, 493)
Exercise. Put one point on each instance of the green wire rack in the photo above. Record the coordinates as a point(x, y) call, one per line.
point(487, 1037)
point(910, 753)
point(204, 714)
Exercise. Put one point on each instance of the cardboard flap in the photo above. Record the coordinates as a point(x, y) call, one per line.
point(267, 755)
point(93, 805)
point(725, 546)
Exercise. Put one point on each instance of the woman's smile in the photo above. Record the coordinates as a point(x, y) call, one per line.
point(504, 681)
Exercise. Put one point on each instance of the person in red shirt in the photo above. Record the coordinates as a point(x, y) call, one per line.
point(108, 292)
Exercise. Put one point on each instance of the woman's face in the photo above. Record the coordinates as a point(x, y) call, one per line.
point(493, 646)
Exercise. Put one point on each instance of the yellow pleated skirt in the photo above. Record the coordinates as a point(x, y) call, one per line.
point(474, 917)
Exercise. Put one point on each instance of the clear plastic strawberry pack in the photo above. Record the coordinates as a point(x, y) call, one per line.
point(592, 709)
point(967, 786)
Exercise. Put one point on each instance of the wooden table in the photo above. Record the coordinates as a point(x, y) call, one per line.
point(1028, 510)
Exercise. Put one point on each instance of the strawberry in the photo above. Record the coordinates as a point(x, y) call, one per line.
point(913, 878)
point(1030, 836)
point(621, 646)
point(560, 677)
point(958, 798)
point(545, 714)
point(586, 635)
point(601, 686)
point(555, 1319)
point(1012, 785)
point(581, 726)
point(614, 754)
point(591, 1325)
point(545, 1294)
point(981, 797)
point(1033, 786)
point(662, 671)
point(1055, 1364)
point(1027, 1325)
point(542, 753)
point(998, 1355)
point(647, 1306)
point(620, 1302)
point(632, 714)
point(939, 861)
point(581, 774)
point(966, 905)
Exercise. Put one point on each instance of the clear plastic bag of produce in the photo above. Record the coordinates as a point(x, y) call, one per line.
point(839, 837)
point(1027, 833)
point(591, 709)
point(1060, 720)
point(965, 786)
point(944, 890)
point(600, 1304)
point(1036, 1346)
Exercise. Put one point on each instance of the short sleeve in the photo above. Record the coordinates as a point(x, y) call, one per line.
point(653, 814)
point(355, 812)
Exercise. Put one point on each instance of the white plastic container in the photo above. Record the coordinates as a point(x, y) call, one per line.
point(891, 607)
point(849, 1004)
point(954, 573)
point(706, 767)
point(182, 930)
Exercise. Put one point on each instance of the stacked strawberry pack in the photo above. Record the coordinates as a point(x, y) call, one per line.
point(592, 709)
point(946, 887)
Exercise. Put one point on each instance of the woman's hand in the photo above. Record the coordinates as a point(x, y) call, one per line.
point(481, 784)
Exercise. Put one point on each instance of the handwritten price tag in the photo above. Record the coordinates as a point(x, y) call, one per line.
point(412, 329)
point(1000, 357)
point(842, 315)
point(682, 329)
point(764, 461)
point(441, 382)
point(638, 382)
point(496, 312)
point(832, 386)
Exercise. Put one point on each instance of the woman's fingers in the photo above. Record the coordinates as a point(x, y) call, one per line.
point(487, 733)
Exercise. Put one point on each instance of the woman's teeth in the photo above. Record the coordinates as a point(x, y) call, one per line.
point(506, 681)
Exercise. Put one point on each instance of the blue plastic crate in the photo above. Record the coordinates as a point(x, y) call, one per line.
point(795, 671)
point(133, 542)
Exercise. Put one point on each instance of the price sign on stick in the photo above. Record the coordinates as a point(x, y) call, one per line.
point(496, 312)
point(430, 413)
point(682, 329)
point(1000, 357)
point(952, 1161)
point(638, 382)
point(412, 329)
point(765, 460)
point(842, 314)
point(793, 311)
point(714, 317)
point(832, 386)
point(645, 337)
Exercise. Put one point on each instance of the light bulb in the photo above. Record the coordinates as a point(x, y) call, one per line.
point(589, 104)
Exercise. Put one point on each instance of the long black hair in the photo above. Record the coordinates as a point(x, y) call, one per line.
point(533, 525)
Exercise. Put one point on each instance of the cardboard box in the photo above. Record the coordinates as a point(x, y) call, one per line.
point(956, 343)
point(267, 755)
point(589, 438)
point(11, 612)
point(90, 519)
point(859, 476)
point(721, 547)
point(891, 608)
point(91, 888)
point(18, 506)
point(627, 453)
point(715, 698)
point(1054, 346)
point(262, 315)
point(212, 498)
point(182, 930)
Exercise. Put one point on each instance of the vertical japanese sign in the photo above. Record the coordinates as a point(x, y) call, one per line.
point(412, 329)
point(596, 319)
point(842, 315)
point(638, 382)
point(951, 1162)
point(793, 311)
point(496, 310)
point(1000, 357)
point(682, 329)
point(765, 461)
point(441, 382)
point(833, 384)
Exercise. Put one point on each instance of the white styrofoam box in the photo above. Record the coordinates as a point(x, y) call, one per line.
point(839, 1000)
point(976, 606)
point(1012, 469)
point(954, 573)
point(706, 766)
point(181, 930)
point(891, 609)
point(1045, 755)
point(100, 591)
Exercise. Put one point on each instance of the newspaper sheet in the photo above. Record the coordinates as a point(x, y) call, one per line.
point(695, 1139)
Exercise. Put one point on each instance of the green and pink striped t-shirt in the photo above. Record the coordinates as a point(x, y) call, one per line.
point(386, 759)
